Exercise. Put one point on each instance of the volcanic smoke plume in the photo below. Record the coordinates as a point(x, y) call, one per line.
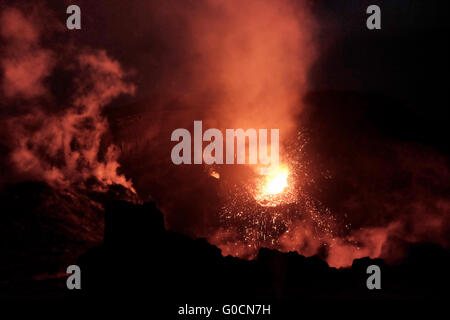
point(241, 65)
point(49, 138)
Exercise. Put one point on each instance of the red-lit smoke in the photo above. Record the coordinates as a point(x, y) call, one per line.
point(58, 142)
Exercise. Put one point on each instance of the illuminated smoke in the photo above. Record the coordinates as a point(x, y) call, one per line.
point(59, 142)
point(232, 64)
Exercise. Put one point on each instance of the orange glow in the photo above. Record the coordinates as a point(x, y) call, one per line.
point(275, 189)
point(277, 181)
point(215, 174)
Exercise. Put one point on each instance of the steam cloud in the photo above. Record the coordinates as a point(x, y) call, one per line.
point(58, 142)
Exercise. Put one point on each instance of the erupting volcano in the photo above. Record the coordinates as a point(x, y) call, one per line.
point(94, 119)
point(275, 188)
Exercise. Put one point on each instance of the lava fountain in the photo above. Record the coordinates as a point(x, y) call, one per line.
point(275, 188)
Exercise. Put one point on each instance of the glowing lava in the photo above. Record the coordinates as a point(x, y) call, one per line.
point(275, 188)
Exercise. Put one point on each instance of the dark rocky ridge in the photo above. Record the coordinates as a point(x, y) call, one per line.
point(139, 259)
point(44, 230)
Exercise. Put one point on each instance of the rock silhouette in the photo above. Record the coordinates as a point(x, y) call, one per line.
point(139, 258)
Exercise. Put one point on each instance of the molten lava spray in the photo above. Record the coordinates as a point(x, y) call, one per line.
point(232, 64)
